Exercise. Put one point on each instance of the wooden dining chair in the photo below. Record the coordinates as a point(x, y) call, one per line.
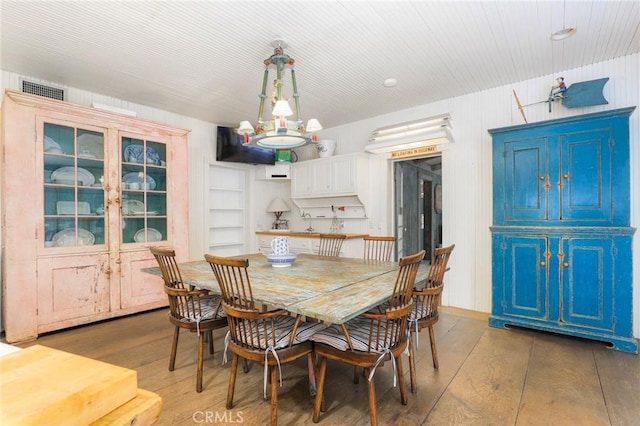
point(270, 338)
point(370, 339)
point(425, 308)
point(330, 244)
point(378, 247)
point(192, 309)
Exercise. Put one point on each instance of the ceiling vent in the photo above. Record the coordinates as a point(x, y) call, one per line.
point(42, 90)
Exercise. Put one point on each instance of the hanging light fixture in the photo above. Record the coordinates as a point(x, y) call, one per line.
point(280, 132)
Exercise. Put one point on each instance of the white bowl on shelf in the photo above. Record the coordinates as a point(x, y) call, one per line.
point(281, 260)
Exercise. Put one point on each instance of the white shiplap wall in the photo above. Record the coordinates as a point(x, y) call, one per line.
point(467, 192)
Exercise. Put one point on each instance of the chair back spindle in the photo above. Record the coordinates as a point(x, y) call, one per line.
point(331, 244)
point(378, 247)
point(438, 266)
point(166, 259)
point(233, 279)
point(405, 280)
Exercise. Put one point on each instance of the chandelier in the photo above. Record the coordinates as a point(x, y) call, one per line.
point(281, 132)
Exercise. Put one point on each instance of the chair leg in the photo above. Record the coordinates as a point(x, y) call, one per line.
point(317, 404)
point(232, 381)
point(403, 389)
point(210, 335)
point(200, 361)
point(274, 395)
point(174, 348)
point(311, 366)
point(412, 364)
point(373, 408)
point(356, 374)
point(434, 352)
point(245, 365)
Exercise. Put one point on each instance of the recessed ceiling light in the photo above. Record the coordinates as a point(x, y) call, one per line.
point(563, 33)
point(390, 82)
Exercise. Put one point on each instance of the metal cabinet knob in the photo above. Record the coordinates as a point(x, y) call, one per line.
point(543, 263)
point(565, 264)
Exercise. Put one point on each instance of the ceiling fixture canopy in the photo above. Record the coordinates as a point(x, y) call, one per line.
point(563, 34)
point(280, 132)
point(411, 134)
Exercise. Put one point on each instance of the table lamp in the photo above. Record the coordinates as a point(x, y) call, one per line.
point(277, 206)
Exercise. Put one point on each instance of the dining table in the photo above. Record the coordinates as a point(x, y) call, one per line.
point(329, 289)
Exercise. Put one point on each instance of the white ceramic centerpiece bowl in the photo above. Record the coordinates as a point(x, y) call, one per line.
point(281, 260)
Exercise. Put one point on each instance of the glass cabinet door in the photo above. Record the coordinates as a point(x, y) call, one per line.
point(74, 198)
point(144, 190)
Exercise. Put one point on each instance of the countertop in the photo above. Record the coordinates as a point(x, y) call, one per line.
point(304, 234)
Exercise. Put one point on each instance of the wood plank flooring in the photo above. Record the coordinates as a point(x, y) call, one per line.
point(487, 376)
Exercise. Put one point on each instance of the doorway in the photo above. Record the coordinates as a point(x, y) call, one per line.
point(417, 205)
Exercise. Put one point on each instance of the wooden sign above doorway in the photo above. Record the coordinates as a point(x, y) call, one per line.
point(414, 152)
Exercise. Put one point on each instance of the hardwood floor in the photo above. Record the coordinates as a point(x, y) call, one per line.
point(487, 376)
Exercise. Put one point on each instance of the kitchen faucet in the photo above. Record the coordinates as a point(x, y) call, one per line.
point(308, 216)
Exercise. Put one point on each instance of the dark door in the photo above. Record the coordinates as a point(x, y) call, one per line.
point(418, 223)
point(407, 209)
point(427, 216)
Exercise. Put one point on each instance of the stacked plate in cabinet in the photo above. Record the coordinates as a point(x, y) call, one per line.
point(67, 176)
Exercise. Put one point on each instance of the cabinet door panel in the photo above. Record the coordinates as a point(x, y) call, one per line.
point(526, 273)
point(344, 175)
point(587, 282)
point(321, 182)
point(72, 287)
point(138, 288)
point(585, 176)
point(300, 180)
point(526, 174)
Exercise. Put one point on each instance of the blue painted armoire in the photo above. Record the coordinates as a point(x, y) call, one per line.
point(561, 234)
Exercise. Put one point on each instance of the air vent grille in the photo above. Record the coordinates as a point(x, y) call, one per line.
point(42, 90)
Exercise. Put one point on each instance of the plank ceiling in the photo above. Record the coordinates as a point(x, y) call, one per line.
point(204, 58)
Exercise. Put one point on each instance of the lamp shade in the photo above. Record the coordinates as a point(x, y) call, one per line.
point(278, 205)
point(245, 128)
point(313, 125)
point(282, 109)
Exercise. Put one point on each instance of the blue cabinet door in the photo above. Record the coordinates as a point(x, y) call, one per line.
point(587, 281)
point(526, 272)
point(585, 176)
point(526, 179)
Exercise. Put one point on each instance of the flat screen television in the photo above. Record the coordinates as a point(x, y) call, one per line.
point(230, 147)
